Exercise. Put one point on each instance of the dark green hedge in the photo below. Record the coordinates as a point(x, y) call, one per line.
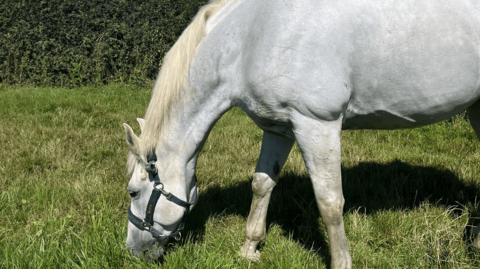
point(78, 42)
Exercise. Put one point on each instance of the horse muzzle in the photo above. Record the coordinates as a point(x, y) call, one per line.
point(151, 254)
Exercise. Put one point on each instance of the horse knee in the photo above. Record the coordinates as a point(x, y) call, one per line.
point(331, 208)
point(262, 184)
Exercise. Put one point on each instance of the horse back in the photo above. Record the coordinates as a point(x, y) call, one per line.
point(379, 64)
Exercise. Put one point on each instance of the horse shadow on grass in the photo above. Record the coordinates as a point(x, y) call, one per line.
point(372, 186)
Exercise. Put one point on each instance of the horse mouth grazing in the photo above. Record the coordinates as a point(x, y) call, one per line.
point(152, 254)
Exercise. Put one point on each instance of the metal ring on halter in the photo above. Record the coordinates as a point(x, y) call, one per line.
point(161, 189)
point(159, 184)
point(178, 236)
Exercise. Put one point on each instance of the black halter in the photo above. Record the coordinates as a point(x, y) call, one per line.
point(147, 223)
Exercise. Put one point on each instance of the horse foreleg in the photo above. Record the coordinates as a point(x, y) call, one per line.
point(474, 117)
point(319, 143)
point(274, 152)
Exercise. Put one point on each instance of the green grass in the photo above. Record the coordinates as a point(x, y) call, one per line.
point(411, 195)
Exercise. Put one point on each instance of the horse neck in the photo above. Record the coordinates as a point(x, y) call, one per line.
point(204, 102)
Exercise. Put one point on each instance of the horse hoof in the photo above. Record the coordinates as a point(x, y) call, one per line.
point(251, 256)
point(476, 242)
point(476, 235)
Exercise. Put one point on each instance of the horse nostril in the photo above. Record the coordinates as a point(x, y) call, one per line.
point(133, 194)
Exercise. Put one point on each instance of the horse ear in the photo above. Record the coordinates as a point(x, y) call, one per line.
point(141, 122)
point(132, 140)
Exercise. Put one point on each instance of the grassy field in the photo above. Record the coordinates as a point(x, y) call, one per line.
point(411, 195)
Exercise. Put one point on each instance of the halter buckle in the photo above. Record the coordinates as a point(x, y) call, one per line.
point(151, 168)
point(146, 226)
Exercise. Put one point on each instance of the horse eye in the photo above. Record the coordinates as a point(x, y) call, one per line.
point(133, 194)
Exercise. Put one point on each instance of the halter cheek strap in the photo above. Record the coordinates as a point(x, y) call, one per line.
point(148, 223)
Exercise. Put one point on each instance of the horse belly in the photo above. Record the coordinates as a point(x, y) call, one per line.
point(397, 100)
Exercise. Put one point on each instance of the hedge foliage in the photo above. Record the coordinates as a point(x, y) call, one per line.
point(72, 42)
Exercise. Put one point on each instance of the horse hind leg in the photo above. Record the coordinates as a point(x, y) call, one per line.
point(474, 117)
point(274, 153)
point(319, 143)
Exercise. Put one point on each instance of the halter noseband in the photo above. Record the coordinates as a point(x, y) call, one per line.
point(147, 223)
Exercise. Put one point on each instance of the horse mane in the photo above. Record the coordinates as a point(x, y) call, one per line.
point(172, 76)
point(131, 162)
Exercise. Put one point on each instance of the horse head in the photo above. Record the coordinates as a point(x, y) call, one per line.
point(155, 214)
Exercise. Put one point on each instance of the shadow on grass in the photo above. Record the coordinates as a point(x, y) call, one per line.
point(374, 187)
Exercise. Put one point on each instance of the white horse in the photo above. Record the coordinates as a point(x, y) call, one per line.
point(302, 71)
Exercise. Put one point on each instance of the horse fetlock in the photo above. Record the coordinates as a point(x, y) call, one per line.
point(476, 242)
point(341, 259)
point(342, 264)
point(476, 235)
point(249, 250)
